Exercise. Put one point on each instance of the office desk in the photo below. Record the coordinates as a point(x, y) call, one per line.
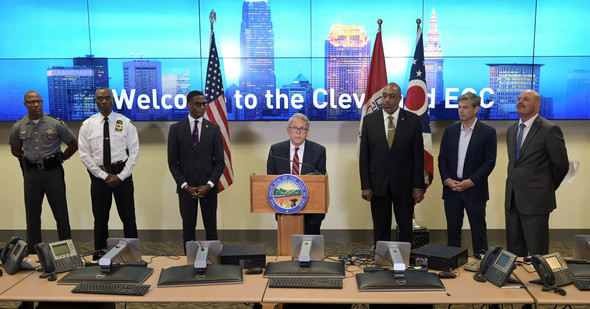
point(32, 288)
point(7, 281)
point(461, 290)
point(573, 297)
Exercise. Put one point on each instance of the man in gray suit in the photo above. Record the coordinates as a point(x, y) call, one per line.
point(195, 159)
point(537, 163)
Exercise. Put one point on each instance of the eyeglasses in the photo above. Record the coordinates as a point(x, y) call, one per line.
point(298, 130)
point(198, 104)
point(34, 101)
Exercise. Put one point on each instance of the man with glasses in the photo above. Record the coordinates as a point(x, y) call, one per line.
point(36, 140)
point(109, 148)
point(195, 159)
point(299, 156)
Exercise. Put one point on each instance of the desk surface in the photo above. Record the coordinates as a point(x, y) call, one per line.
point(7, 281)
point(526, 273)
point(461, 290)
point(251, 290)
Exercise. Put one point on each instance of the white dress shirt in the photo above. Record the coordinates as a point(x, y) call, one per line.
point(464, 138)
point(526, 129)
point(123, 137)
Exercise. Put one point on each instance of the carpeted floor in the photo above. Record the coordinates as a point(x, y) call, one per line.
point(332, 248)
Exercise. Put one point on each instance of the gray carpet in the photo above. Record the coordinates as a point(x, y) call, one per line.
point(332, 248)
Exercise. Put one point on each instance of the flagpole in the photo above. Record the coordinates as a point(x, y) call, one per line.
point(212, 19)
point(417, 224)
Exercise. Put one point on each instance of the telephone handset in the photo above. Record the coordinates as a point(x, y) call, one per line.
point(552, 270)
point(497, 265)
point(58, 257)
point(13, 254)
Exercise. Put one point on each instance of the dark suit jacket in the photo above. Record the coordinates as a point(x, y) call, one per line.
point(195, 167)
point(402, 166)
point(542, 165)
point(314, 155)
point(480, 160)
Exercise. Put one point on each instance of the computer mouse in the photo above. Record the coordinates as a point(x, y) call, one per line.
point(446, 275)
point(254, 270)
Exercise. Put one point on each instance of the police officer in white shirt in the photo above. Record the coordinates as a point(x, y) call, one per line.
point(109, 148)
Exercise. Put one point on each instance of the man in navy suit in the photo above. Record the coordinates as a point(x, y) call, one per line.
point(537, 163)
point(391, 164)
point(281, 157)
point(195, 159)
point(467, 157)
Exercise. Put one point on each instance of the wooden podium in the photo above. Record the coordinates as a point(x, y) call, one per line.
point(289, 224)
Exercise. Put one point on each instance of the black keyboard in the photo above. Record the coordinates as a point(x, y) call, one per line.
point(135, 289)
point(583, 285)
point(305, 283)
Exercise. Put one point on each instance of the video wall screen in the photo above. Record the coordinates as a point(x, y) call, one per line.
point(283, 57)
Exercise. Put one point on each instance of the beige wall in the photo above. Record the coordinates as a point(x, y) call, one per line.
point(156, 200)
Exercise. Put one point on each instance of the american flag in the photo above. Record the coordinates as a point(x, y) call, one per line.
point(416, 101)
point(375, 84)
point(216, 111)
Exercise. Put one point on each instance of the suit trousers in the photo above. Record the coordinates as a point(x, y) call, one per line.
point(476, 213)
point(102, 198)
point(381, 211)
point(38, 183)
point(526, 234)
point(188, 212)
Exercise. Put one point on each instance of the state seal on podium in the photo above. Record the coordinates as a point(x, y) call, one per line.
point(287, 194)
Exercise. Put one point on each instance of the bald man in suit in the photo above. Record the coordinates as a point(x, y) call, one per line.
point(537, 163)
point(391, 165)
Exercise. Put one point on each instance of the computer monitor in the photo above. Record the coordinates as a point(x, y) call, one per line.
point(393, 253)
point(117, 274)
point(305, 248)
point(581, 247)
point(202, 252)
point(214, 274)
point(133, 248)
point(307, 253)
point(414, 280)
point(123, 251)
point(203, 267)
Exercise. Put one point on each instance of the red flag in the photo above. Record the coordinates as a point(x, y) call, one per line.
point(375, 84)
point(216, 111)
point(416, 101)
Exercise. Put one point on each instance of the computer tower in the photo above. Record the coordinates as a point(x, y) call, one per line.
point(253, 255)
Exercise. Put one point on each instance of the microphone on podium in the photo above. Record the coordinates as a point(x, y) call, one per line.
point(315, 171)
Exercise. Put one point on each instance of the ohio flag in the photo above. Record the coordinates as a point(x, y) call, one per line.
point(416, 101)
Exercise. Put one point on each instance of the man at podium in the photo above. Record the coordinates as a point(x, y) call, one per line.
point(298, 156)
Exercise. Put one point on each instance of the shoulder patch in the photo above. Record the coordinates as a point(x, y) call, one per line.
point(61, 121)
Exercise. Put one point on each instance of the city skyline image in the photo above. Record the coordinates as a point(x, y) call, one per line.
point(303, 56)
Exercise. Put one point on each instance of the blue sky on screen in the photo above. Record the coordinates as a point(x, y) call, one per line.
point(38, 34)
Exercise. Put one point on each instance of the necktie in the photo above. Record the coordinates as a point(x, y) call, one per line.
point(106, 149)
point(296, 162)
point(196, 135)
point(390, 131)
point(519, 140)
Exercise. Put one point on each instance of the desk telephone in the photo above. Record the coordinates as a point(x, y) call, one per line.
point(58, 257)
point(497, 265)
point(552, 270)
point(13, 254)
